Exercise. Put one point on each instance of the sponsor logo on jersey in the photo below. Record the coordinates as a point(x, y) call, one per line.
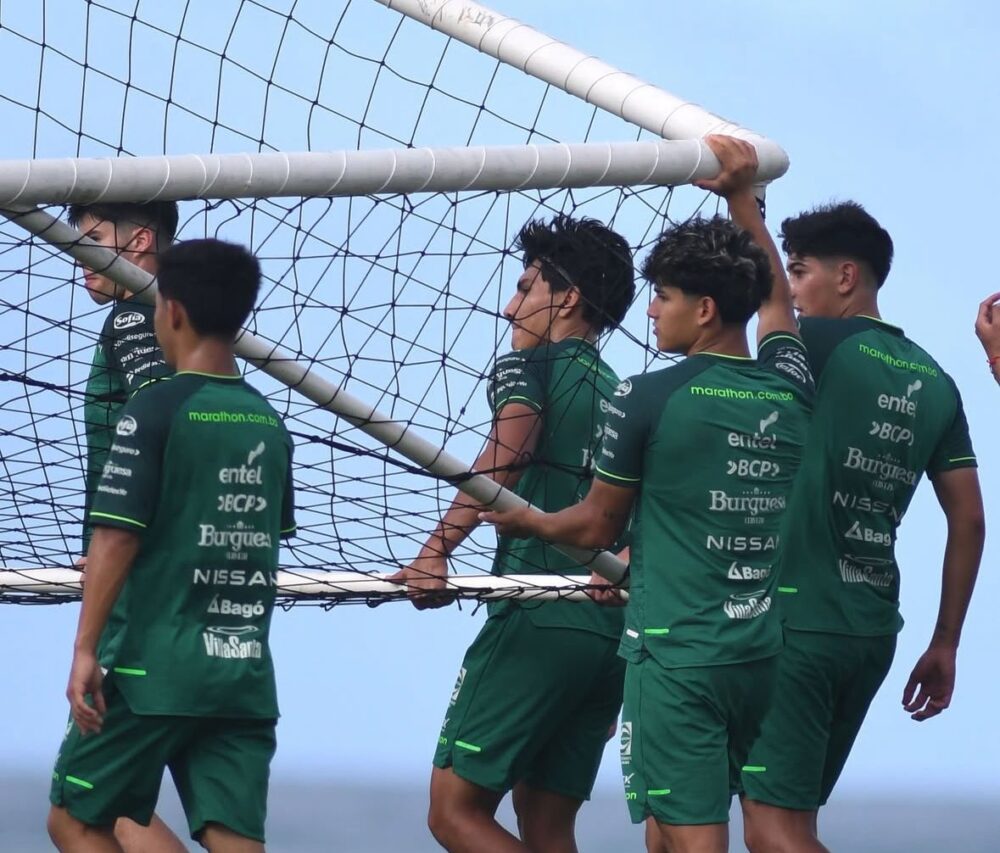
point(886, 470)
point(234, 577)
point(756, 469)
point(111, 470)
point(608, 408)
point(759, 440)
point(747, 605)
point(740, 393)
point(624, 388)
point(751, 503)
point(792, 361)
point(876, 573)
point(127, 426)
point(127, 451)
point(246, 609)
point(866, 504)
point(255, 453)
point(869, 535)
point(903, 405)
point(625, 745)
point(747, 573)
point(244, 475)
point(236, 538)
point(241, 503)
point(746, 544)
point(233, 418)
point(893, 433)
point(898, 363)
point(128, 319)
point(229, 642)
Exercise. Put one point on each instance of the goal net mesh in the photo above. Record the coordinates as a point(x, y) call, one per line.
point(396, 298)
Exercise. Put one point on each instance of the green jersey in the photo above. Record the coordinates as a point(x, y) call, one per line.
point(127, 356)
point(712, 445)
point(569, 385)
point(200, 469)
point(885, 413)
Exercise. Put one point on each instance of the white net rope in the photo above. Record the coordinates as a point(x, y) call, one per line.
point(396, 298)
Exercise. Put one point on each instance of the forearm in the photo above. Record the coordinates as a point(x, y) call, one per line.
point(108, 562)
point(584, 525)
point(746, 213)
point(962, 555)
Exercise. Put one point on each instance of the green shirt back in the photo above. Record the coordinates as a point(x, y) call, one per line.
point(885, 413)
point(569, 385)
point(712, 445)
point(200, 468)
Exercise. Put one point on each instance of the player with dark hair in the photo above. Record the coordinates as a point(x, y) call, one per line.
point(127, 354)
point(127, 357)
point(187, 519)
point(540, 687)
point(704, 452)
point(886, 413)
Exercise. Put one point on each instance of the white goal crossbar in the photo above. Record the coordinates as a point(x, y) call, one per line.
point(337, 586)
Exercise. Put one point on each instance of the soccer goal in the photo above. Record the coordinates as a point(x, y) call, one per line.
point(379, 157)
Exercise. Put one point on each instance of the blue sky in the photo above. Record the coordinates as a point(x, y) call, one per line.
point(889, 103)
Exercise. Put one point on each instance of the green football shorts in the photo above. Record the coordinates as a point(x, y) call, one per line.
point(533, 705)
point(685, 737)
point(220, 767)
point(824, 686)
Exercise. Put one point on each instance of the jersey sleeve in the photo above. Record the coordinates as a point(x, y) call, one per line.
point(131, 348)
point(786, 355)
point(288, 499)
point(626, 433)
point(517, 378)
point(129, 487)
point(954, 450)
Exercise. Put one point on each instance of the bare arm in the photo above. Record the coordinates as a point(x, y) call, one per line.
point(596, 522)
point(735, 184)
point(509, 448)
point(959, 495)
point(109, 559)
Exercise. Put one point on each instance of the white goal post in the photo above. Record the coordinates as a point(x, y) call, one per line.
point(678, 156)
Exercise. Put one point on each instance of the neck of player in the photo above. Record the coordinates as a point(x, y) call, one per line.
point(207, 355)
point(722, 340)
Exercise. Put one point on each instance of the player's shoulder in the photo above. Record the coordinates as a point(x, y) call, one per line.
point(660, 383)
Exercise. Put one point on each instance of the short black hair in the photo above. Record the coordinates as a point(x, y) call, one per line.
point(160, 216)
point(586, 254)
point(842, 230)
point(216, 282)
point(716, 258)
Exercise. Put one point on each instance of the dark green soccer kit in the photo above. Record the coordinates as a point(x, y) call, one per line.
point(127, 357)
point(200, 470)
point(885, 413)
point(540, 687)
point(712, 445)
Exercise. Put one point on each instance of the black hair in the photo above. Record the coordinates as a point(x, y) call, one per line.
point(585, 254)
point(216, 282)
point(716, 258)
point(844, 230)
point(160, 216)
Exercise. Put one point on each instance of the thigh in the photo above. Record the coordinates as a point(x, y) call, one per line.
point(222, 775)
point(869, 665)
point(99, 778)
point(508, 701)
point(675, 746)
point(568, 762)
point(785, 764)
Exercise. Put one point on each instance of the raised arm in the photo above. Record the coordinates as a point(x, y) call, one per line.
point(738, 160)
point(929, 689)
point(508, 450)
